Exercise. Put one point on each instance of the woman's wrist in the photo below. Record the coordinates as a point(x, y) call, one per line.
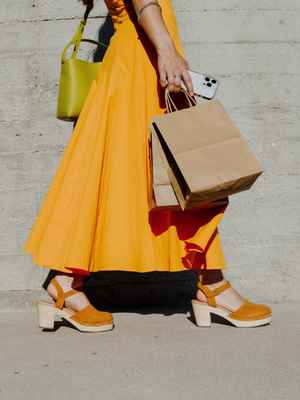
point(164, 44)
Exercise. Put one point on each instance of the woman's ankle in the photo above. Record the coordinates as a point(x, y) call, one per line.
point(213, 277)
point(68, 280)
point(65, 281)
point(76, 301)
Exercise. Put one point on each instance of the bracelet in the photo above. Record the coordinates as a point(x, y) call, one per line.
point(151, 3)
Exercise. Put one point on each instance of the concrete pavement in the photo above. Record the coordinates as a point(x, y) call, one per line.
point(159, 355)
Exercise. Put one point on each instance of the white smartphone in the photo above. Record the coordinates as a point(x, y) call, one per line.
point(204, 85)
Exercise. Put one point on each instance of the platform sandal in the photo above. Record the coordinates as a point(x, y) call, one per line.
point(89, 319)
point(248, 315)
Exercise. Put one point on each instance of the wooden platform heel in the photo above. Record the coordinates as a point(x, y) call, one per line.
point(248, 315)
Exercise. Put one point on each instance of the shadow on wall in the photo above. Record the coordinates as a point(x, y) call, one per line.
point(136, 291)
point(105, 32)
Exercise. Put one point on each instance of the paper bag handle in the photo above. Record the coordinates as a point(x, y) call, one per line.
point(170, 102)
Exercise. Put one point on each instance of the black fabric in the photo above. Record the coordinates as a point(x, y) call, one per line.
point(51, 274)
point(122, 289)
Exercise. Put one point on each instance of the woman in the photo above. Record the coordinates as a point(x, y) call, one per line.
point(96, 215)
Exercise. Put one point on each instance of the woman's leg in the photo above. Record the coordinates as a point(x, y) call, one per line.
point(214, 278)
point(70, 303)
point(67, 282)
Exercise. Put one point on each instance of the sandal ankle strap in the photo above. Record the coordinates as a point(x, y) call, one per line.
point(61, 295)
point(59, 303)
point(211, 294)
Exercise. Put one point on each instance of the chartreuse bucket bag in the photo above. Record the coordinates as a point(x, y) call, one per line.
point(76, 76)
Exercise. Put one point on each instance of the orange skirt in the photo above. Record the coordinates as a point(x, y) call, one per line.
point(95, 215)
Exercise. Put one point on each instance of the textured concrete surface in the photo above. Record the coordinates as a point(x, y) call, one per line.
point(252, 46)
point(151, 356)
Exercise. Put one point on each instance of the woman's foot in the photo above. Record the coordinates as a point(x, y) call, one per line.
point(229, 298)
point(222, 299)
point(71, 304)
point(77, 301)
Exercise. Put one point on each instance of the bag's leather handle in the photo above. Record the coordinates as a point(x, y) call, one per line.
point(87, 12)
point(77, 38)
point(171, 104)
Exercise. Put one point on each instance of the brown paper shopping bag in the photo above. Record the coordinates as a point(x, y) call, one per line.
point(164, 194)
point(206, 157)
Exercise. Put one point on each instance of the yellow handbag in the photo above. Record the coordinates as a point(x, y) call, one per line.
point(76, 76)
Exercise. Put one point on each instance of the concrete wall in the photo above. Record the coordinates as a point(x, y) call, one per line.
point(252, 46)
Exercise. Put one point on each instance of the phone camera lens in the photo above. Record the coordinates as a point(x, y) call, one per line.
point(207, 79)
point(214, 81)
point(209, 84)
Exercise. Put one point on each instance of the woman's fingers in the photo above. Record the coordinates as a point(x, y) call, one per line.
point(173, 73)
point(186, 64)
point(163, 77)
point(170, 78)
point(174, 81)
point(177, 79)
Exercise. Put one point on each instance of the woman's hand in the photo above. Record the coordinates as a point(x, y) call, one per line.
point(172, 67)
point(173, 70)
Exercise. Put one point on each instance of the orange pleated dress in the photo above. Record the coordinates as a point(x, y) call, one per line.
point(96, 213)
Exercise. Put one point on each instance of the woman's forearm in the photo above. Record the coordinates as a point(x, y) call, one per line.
point(153, 24)
point(172, 67)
